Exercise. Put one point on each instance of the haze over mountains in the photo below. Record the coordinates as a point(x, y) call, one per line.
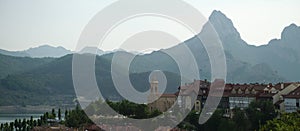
point(40, 80)
point(39, 52)
point(281, 55)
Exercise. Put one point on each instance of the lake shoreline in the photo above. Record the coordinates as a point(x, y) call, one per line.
point(7, 118)
point(25, 109)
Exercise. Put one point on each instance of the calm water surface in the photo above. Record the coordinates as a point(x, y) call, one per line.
point(11, 117)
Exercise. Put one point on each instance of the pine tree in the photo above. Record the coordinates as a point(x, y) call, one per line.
point(16, 124)
point(53, 114)
point(19, 124)
point(11, 126)
point(59, 114)
point(39, 122)
point(31, 121)
point(6, 128)
point(34, 123)
point(24, 124)
point(66, 114)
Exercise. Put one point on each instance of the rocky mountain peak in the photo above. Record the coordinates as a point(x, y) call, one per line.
point(290, 32)
point(223, 25)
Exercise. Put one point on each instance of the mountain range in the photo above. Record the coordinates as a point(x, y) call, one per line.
point(43, 75)
point(39, 52)
point(281, 55)
point(55, 52)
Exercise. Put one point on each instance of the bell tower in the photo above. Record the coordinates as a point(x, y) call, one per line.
point(154, 86)
point(153, 90)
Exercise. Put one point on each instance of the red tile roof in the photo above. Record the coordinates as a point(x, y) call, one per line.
point(168, 95)
point(216, 87)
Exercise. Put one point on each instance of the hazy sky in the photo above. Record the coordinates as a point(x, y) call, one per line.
point(30, 23)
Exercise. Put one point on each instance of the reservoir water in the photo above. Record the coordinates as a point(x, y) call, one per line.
point(11, 117)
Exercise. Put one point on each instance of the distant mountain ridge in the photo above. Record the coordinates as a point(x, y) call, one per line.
point(281, 55)
point(56, 52)
point(39, 52)
point(51, 78)
point(47, 51)
point(14, 53)
point(276, 56)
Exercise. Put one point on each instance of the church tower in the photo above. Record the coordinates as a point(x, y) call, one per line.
point(153, 90)
point(154, 86)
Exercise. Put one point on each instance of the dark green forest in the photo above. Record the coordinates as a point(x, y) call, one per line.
point(49, 80)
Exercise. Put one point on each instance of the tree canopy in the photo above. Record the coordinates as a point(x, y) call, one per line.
point(286, 122)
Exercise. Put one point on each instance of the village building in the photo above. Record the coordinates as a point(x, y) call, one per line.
point(291, 101)
point(284, 96)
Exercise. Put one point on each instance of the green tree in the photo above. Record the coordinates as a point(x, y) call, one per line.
point(213, 122)
point(16, 124)
point(187, 126)
point(46, 116)
point(24, 124)
point(31, 122)
point(77, 118)
point(240, 119)
point(155, 113)
point(11, 126)
point(34, 123)
point(216, 122)
point(66, 113)
point(59, 114)
point(42, 120)
point(227, 125)
point(193, 118)
point(140, 111)
point(53, 114)
point(20, 124)
point(6, 127)
point(125, 108)
point(259, 112)
point(286, 122)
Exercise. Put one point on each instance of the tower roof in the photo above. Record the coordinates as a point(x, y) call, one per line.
point(154, 80)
